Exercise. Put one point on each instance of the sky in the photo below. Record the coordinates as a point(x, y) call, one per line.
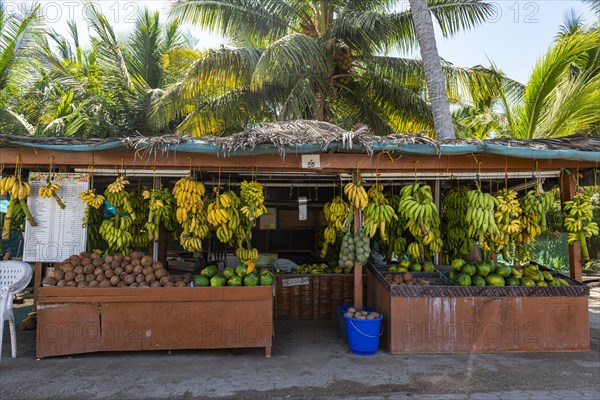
point(518, 34)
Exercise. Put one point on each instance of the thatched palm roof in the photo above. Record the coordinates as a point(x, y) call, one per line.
point(304, 136)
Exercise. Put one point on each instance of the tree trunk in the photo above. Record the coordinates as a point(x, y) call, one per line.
point(436, 84)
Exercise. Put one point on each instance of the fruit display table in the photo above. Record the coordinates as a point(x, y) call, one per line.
point(312, 296)
point(456, 319)
point(84, 320)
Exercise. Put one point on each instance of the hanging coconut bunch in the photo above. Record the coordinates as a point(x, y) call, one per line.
point(342, 58)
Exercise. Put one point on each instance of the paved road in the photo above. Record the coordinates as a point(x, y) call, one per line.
point(574, 394)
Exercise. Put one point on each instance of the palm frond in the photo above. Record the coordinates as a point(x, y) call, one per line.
point(299, 102)
point(547, 74)
point(15, 123)
point(290, 58)
point(219, 71)
point(594, 5)
point(454, 16)
point(144, 48)
point(267, 19)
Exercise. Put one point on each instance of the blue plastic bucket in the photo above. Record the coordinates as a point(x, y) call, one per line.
point(341, 320)
point(363, 335)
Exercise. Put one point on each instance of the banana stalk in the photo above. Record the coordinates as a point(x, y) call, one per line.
point(8, 217)
point(58, 201)
point(584, 250)
point(27, 212)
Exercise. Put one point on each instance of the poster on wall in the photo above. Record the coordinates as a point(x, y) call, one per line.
point(58, 233)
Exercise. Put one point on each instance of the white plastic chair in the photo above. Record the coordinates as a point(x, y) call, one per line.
point(14, 277)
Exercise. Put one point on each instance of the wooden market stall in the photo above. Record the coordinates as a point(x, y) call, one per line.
point(283, 155)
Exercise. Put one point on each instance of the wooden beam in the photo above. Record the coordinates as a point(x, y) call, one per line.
point(568, 188)
point(358, 270)
point(330, 162)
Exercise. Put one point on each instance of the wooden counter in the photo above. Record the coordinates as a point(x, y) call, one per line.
point(84, 320)
point(450, 320)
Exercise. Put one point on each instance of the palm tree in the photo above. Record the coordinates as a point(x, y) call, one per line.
point(297, 59)
point(436, 84)
point(16, 37)
point(561, 98)
point(102, 91)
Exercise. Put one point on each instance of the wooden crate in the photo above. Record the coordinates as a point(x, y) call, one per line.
point(456, 321)
point(83, 320)
point(312, 296)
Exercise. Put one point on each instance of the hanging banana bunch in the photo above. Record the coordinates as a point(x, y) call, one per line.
point(396, 243)
point(480, 217)
point(115, 231)
point(161, 205)
point(91, 200)
point(338, 215)
point(139, 234)
point(50, 191)
point(578, 222)
point(191, 213)
point(547, 201)
point(507, 216)
point(18, 192)
point(116, 195)
point(219, 215)
point(357, 194)
point(251, 194)
point(377, 213)
point(94, 220)
point(457, 242)
point(252, 207)
point(530, 218)
point(422, 221)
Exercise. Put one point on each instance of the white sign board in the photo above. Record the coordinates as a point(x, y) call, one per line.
point(295, 281)
point(302, 209)
point(58, 234)
point(311, 161)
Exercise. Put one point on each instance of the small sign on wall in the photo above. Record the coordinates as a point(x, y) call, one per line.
point(302, 209)
point(311, 161)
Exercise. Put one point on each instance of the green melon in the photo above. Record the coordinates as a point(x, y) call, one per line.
point(478, 281)
point(494, 280)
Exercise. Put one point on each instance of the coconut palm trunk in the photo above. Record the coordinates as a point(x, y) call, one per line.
point(436, 84)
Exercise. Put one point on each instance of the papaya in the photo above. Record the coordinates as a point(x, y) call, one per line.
point(547, 276)
point(416, 267)
point(469, 269)
point(512, 281)
point(228, 272)
point(503, 270)
point(463, 279)
point(210, 271)
point(201, 280)
point(266, 280)
point(457, 264)
point(428, 267)
point(218, 280)
point(562, 282)
point(525, 281)
point(494, 280)
point(533, 273)
point(453, 275)
point(483, 269)
point(541, 283)
point(478, 280)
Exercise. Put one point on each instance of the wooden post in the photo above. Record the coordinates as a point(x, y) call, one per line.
point(358, 284)
point(567, 191)
point(37, 281)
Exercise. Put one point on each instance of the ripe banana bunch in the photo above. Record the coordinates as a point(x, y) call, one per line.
point(578, 222)
point(114, 232)
point(480, 217)
point(414, 251)
point(90, 198)
point(252, 198)
point(247, 255)
point(191, 213)
point(50, 191)
point(118, 185)
point(507, 217)
point(457, 243)
point(161, 206)
point(191, 243)
point(357, 195)
point(530, 218)
point(337, 213)
point(378, 213)
point(18, 192)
